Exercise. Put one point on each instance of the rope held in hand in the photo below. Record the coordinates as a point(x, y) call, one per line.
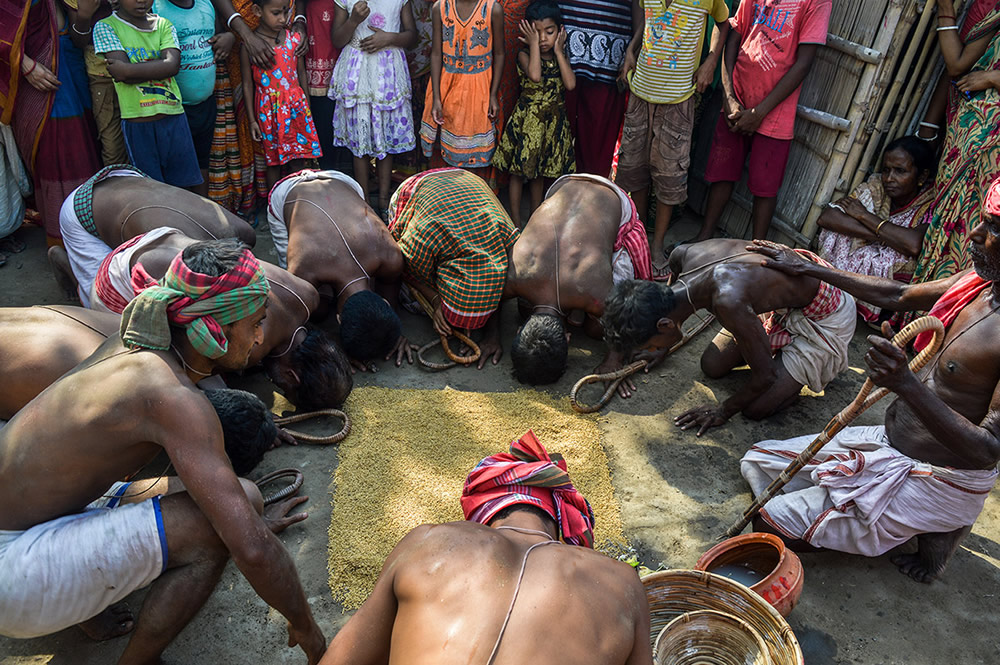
point(865, 399)
point(443, 341)
point(617, 377)
point(310, 438)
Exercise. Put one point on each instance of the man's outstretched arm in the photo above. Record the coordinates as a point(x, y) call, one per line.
point(192, 437)
point(879, 291)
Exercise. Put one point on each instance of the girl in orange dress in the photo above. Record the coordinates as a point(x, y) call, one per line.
point(466, 62)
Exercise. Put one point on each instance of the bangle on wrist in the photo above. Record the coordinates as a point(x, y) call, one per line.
point(941, 16)
point(943, 28)
point(879, 228)
point(34, 63)
point(229, 21)
point(299, 17)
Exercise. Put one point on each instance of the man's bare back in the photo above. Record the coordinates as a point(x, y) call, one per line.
point(125, 207)
point(448, 588)
point(40, 344)
point(320, 255)
point(582, 217)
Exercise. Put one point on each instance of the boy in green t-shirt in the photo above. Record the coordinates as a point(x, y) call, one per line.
point(143, 57)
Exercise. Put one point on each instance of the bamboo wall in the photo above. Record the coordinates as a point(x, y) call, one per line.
point(868, 84)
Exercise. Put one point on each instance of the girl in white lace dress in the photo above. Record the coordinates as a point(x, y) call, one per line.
point(371, 86)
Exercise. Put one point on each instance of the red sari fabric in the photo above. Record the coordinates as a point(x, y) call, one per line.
point(951, 304)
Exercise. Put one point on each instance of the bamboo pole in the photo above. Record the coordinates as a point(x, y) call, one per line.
point(889, 104)
point(859, 51)
point(903, 26)
point(855, 116)
point(919, 72)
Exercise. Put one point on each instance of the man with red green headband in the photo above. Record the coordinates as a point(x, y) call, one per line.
point(75, 540)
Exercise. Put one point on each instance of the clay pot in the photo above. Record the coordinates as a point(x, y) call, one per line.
point(779, 568)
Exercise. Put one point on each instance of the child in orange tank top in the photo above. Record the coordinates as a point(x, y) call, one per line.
point(466, 62)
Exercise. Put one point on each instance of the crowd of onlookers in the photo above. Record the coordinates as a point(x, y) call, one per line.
point(224, 97)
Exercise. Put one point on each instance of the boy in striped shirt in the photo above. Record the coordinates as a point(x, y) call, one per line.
point(656, 138)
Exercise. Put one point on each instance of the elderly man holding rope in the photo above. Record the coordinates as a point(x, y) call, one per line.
point(500, 587)
point(456, 240)
point(300, 359)
point(927, 471)
point(69, 548)
point(791, 330)
point(326, 233)
point(120, 202)
point(584, 238)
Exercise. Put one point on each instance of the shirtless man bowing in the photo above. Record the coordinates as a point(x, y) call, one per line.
point(584, 238)
point(62, 561)
point(500, 588)
point(802, 340)
point(928, 470)
point(325, 233)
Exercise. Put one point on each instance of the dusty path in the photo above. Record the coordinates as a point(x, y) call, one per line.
point(677, 492)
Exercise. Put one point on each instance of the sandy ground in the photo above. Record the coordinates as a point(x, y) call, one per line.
point(677, 491)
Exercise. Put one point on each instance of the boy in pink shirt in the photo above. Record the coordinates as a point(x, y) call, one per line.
point(770, 50)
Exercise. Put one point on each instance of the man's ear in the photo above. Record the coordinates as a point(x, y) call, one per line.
point(291, 376)
point(568, 335)
point(666, 324)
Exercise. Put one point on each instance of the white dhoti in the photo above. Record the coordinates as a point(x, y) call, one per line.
point(818, 350)
point(862, 496)
point(276, 204)
point(112, 288)
point(65, 571)
point(85, 251)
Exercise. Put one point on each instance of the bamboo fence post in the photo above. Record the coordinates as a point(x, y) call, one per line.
point(855, 117)
point(929, 50)
point(889, 102)
point(904, 23)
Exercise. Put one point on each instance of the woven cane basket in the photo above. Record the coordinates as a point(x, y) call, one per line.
point(672, 593)
point(707, 637)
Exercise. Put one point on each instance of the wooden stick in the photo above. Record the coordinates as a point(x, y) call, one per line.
point(865, 399)
point(311, 438)
point(462, 360)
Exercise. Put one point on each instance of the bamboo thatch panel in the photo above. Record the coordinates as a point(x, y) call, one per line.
point(831, 86)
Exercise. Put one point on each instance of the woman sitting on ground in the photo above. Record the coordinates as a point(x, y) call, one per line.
point(879, 229)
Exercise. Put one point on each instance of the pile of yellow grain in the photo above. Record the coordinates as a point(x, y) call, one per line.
point(409, 453)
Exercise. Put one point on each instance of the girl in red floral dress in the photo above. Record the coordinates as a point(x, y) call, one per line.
point(282, 124)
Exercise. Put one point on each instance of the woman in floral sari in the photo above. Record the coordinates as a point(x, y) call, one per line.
point(878, 230)
point(970, 158)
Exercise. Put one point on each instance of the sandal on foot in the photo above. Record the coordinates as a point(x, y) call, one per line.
point(11, 245)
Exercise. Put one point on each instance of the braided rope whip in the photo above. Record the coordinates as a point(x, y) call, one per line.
point(865, 399)
point(296, 483)
point(443, 341)
point(618, 376)
point(311, 438)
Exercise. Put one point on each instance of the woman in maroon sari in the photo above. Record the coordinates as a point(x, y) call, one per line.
point(45, 98)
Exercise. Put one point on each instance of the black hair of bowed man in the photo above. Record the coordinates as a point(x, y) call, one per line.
point(324, 372)
point(632, 310)
point(247, 427)
point(369, 328)
point(540, 349)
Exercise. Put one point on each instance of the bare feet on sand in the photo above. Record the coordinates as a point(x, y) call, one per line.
point(115, 621)
point(934, 551)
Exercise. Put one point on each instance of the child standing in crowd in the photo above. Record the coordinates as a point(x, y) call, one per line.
point(371, 84)
point(466, 61)
point(143, 58)
point(770, 50)
point(659, 118)
point(537, 143)
point(201, 46)
point(282, 123)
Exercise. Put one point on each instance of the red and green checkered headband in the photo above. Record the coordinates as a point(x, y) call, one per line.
point(199, 303)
